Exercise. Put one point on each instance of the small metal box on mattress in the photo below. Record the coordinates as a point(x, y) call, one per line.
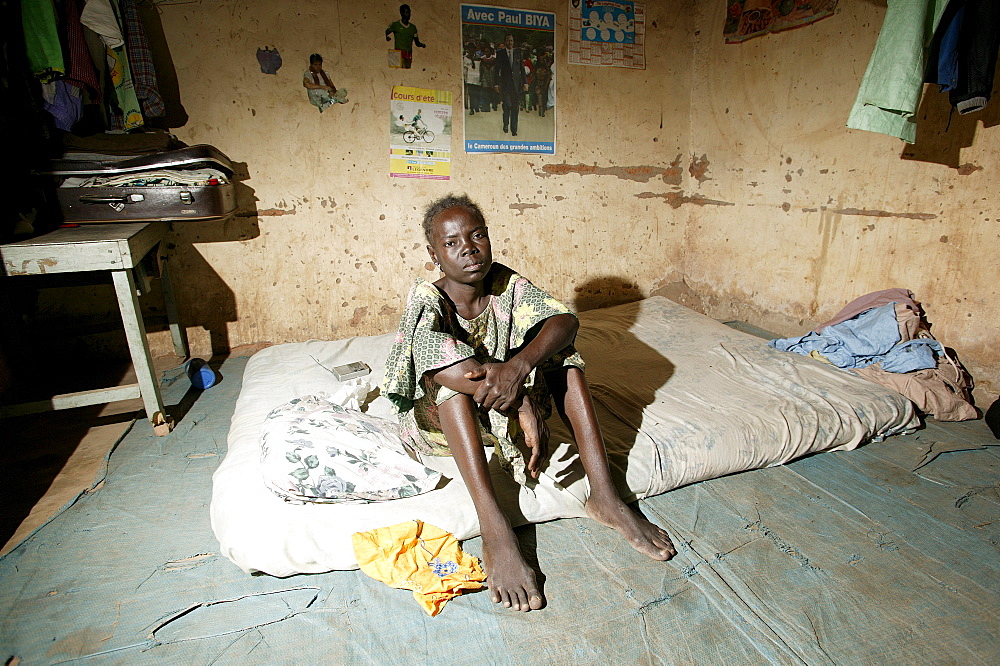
point(191, 183)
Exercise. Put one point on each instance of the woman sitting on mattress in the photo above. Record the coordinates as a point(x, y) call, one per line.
point(478, 354)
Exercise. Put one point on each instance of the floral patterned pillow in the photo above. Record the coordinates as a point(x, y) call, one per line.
point(314, 450)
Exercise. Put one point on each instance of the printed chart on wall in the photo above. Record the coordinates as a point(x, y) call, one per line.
point(420, 133)
point(509, 73)
point(607, 33)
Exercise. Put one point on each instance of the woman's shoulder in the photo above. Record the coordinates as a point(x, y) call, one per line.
point(511, 284)
point(424, 293)
point(503, 278)
point(502, 269)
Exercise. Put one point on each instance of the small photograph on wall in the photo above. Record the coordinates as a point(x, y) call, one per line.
point(607, 33)
point(420, 133)
point(509, 76)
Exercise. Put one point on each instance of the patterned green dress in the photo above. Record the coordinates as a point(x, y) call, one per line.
point(432, 336)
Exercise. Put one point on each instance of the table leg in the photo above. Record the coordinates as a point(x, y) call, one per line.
point(135, 333)
point(177, 332)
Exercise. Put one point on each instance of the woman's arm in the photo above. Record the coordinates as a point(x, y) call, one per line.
point(499, 384)
point(536, 433)
point(456, 377)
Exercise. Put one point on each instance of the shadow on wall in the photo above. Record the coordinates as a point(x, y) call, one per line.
point(203, 297)
point(942, 133)
point(166, 75)
point(605, 291)
point(623, 373)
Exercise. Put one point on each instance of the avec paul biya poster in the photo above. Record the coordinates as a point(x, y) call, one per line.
point(509, 79)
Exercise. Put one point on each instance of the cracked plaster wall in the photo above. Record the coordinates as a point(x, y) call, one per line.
point(824, 214)
point(340, 242)
point(722, 176)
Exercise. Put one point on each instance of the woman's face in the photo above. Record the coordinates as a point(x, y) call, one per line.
point(461, 245)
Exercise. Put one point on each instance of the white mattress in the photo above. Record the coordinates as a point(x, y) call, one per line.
point(681, 398)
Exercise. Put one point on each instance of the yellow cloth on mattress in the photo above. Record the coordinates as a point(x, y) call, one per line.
point(420, 557)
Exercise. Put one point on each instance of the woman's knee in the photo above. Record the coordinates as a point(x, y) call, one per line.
point(559, 378)
point(460, 423)
point(457, 408)
point(568, 386)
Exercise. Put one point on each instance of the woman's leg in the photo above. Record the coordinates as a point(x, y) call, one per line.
point(573, 400)
point(511, 580)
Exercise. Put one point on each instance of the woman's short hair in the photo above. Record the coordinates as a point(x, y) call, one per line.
point(315, 57)
point(438, 206)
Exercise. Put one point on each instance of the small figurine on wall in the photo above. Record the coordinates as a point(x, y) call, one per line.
point(406, 37)
point(322, 92)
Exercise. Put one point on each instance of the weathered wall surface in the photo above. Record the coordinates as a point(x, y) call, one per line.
point(821, 214)
point(721, 175)
point(332, 243)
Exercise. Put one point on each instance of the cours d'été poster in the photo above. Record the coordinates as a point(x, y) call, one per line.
point(420, 133)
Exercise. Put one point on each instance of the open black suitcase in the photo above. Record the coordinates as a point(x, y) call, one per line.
point(139, 202)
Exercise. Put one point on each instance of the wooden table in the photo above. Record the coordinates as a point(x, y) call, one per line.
point(118, 248)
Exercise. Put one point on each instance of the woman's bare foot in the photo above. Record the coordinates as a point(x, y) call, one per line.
point(641, 534)
point(510, 579)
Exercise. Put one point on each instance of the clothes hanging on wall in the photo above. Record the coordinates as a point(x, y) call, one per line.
point(128, 114)
point(103, 17)
point(99, 16)
point(41, 37)
point(141, 62)
point(964, 53)
point(942, 59)
point(97, 51)
point(118, 75)
point(63, 102)
point(893, 82)
point(978, 42)
point(80, 70)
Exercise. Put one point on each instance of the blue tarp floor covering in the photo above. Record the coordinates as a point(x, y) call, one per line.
point(883, 555)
